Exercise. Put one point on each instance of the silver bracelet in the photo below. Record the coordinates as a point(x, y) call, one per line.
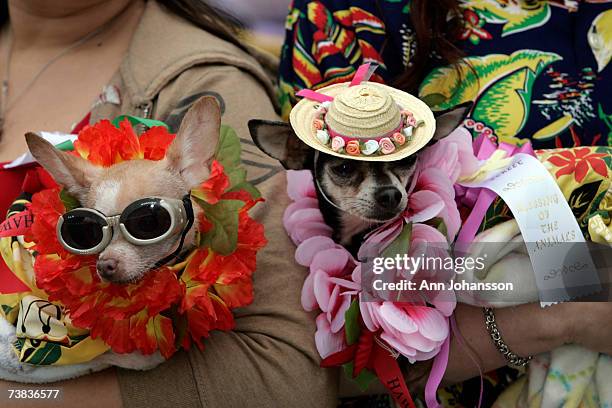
point(512, 358)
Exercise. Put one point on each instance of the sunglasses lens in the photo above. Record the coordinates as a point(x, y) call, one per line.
point(146, 220)
point(82, 229)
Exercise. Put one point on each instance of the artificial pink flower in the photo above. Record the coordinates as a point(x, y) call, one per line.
point(300, 185)
point(303, 219)
point(337, 143)
point(386, 145)
point(434, 181)
point(327, 343)
point(409, 118)
point(453, 155)
point(399, 138)
point(415, 331)
point(319, 287)
point(428, 242)
point(305, 253)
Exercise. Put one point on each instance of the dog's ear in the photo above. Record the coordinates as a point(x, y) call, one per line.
point(279, 141)
point(74, 173)
point(192, 151)
point(449, 120)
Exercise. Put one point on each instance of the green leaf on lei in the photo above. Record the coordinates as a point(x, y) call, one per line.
point(228, 154)
point(351, 326)
point(70, 203)
point(363, 380)
point(400, 245)
point(223, 237)
point(135, 120)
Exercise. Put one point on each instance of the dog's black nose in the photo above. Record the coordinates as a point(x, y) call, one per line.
point(106, 268)
point(388, 198)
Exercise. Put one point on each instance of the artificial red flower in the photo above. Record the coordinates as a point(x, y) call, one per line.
point(104, 145)
point(194, 277)
point(154, 143)
point(578, 161)
point(156, 333)
point(205, 310)
point(243, 260)
point(213, 188)
point(46, 208)
point(200, 321)
point(237, 293)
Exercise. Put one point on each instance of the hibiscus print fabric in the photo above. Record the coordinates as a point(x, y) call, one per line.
point(535, 70)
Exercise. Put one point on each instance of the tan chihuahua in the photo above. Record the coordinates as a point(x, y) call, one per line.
point(109, 191)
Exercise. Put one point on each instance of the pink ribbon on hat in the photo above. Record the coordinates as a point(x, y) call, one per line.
point(314, 96)
point(482, 198)
point(364, 73)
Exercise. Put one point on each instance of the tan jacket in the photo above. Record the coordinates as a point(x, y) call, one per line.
point(269, 360)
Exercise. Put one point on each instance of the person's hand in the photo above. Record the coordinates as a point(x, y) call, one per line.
point(589, 325)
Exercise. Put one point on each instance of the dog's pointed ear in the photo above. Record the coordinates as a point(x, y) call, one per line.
point(279, 141)
point(449, 120)
point(192, 151)
point(74, 173)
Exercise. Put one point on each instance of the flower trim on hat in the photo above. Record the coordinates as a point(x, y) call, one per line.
point(356, 147)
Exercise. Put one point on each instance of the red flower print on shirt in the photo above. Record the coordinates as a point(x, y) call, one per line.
point(579, 161)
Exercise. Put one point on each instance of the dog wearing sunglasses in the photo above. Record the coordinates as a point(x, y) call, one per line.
point(354, 196)
point(136, 215)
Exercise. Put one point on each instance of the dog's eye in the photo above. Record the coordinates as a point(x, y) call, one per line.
point(346, 169)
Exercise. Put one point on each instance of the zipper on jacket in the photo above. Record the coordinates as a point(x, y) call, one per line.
point(144, 110)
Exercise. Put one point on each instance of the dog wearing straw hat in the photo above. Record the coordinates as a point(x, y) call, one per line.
point(361, 141)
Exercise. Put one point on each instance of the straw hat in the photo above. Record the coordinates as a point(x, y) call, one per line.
point(369, 122)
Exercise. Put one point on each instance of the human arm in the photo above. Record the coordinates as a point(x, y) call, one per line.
point(527, 330)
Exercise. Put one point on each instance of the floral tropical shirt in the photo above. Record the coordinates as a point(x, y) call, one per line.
point(534, 69)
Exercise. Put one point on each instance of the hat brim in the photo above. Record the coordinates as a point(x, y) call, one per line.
point(305, 111)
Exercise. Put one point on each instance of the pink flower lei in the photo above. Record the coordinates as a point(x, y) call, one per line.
point(367, 336)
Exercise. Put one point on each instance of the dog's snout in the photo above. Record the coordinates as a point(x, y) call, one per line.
point(388, 198)
point(107, 268)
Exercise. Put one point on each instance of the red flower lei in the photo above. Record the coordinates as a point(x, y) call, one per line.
point(171, 306)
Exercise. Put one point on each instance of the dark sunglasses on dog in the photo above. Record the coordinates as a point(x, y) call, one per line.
point(87, 231)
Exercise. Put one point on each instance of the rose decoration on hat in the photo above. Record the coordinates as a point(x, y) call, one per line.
point(323, 136)
point(363, 120)
point(370, 147)
point(337, 144)
point(386, 146)
point(353, 148)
